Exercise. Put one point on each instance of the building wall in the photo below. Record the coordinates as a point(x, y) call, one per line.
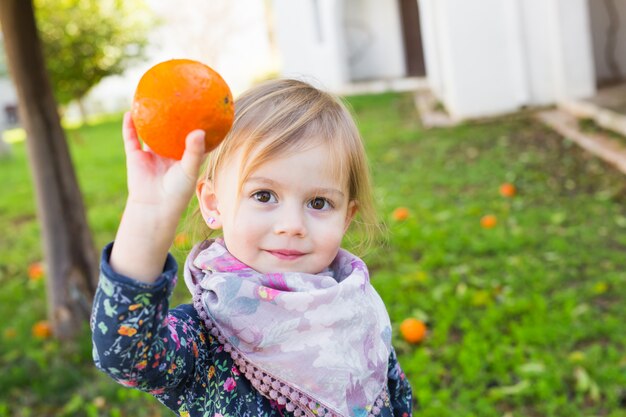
point(311, 42)
point(486, 57)
point(374, 42)
point(8, 96)
point(557, 42)
point(337, 42)
point(601, 18)
point(471, 52)
point(433, 43)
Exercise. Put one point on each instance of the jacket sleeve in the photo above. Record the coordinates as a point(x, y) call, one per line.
point(136, 339)
point(400, 393)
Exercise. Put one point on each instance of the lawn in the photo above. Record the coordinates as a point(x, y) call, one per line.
point(526, 318)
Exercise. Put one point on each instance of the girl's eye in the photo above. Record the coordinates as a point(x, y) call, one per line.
point(263, 196)
point(319, 203)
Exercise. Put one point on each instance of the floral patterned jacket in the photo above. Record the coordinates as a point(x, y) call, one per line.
point(143, 344)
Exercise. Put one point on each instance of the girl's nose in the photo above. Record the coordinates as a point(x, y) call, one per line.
point(290, 221)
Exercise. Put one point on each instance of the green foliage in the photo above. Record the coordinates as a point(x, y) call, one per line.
point(525, 319)
point(87, 40)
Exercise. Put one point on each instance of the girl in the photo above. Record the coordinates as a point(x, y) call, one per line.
point(283, 321)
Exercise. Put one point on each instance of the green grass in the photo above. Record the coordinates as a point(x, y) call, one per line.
point(525, 319)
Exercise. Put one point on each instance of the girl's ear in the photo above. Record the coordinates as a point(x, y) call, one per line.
point(352, 209)
point(207, 199)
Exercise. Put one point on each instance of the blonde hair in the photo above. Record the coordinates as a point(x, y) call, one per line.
point(283, 117)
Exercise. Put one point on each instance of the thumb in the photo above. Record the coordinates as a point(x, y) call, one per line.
point(194, 153)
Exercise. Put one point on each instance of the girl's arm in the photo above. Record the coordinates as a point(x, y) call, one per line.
point(400, 393)
point(159, 190)
point(137, 340)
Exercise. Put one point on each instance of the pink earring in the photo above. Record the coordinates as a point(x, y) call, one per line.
point(210, 220)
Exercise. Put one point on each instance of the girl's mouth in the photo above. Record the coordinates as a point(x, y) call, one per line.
point(286, 254)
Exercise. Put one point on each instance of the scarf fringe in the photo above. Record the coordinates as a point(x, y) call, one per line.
point(294, 400)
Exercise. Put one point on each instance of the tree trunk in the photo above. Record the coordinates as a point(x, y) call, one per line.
point(70, 255)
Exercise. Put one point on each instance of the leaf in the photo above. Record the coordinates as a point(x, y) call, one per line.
point(481, 298)
point(461, 289)
point(558, 218)
point(420, 276)
point(510, 390)
point(85, 42)
point(600, 288)
point(576, 356)
point(620, 221)
point(532, 368)
point(585, 384)
point(73, 405)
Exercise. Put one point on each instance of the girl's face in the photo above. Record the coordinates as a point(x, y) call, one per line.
point(290, 216)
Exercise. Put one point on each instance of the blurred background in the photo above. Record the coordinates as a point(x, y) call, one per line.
point(496, 134)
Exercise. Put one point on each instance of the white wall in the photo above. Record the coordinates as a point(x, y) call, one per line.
point(600, 21)
point(432, 43)
point(8, 96)
point(373, 33)
point(469, 45)
point(485, 57)
point(540, 60)
point(573, 49)
point(558, 50)
point(310, 38)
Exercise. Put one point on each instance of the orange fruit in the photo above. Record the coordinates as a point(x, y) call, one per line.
point(181, 240)
point(488, 221)
point(177, 96)
point(507, 190)
point(413, 330)
point(35, 271)
point(400, 214)
point(42, 329)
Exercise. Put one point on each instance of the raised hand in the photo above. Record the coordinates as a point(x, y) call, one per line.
point(159, 190)
point(159, 183)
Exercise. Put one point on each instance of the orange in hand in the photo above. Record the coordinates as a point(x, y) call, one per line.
point(413, 330)
point(177, 96)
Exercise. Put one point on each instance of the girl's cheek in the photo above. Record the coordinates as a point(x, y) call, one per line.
point(253, 218)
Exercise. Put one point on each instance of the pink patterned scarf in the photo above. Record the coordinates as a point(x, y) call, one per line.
point(317, 344)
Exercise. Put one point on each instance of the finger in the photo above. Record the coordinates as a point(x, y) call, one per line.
point(131, 140)
point(194, 153)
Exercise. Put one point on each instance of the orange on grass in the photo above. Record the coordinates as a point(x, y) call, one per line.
point(181, 240)
point(35, 271)
point(488, 221)
point(507, 190)
point(413, 330)
point(177, 96)
point(400, 214)
point(42, 329)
